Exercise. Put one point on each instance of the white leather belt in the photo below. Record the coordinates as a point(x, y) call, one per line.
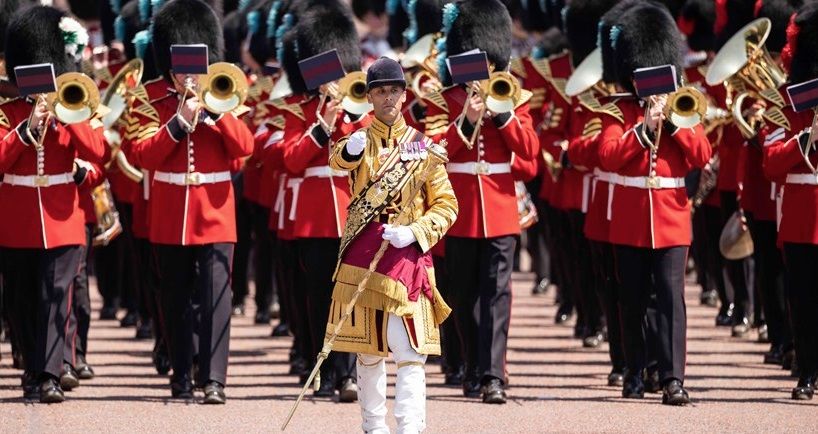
point(295, 184)
point(479, 168)
point(323, 172)
point(193, 178)
point(604, 176)
point(648, 182)
point(802, 179)
point(37, 180)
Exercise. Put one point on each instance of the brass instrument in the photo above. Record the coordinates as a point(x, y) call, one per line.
point(281, 88)
point(707, 182)
point(586, 75)
point(108, 224)
point(500, 94)
point(76, 100)
point(118, 99)
point(422, 55)
point(744, 62)
point(222, 90)
point(686, 108)
point(350, 91)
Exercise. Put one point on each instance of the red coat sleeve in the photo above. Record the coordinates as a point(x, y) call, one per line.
point(617, 146)
point(781, 156)
point(11, 146)
point(89, 143)
point(694, 144)
point(237, 138)
point(152, 151)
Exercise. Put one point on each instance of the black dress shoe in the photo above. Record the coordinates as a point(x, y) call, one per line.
point(616, 378)
point(282, 329)
point(805, 388)
point(129, 320)
point(299, 367)
point(725, 316)
point(633, 387)
point(563, 315)
point(84, 370)
point(348, 392)
point(580, 331)
point(275, 310)
point(787, 359)
point(144, 330)
point(709, 298)
point(593, 340)
point(238, 309)
point(651, 381)
point(161, 362)
point(454, 377)
point(263, 317)
point(741, 327)
point(214, 393)
point(493, 392)
point(775, 356)
point(181, 388)
point(763, 334)
point(325, 390)
point(17, 361)
point(471, 387)
point(69, 379)
point(31, 387)
point(674, 394)
point(541, 287)
point(107, 313)
point(50, 392)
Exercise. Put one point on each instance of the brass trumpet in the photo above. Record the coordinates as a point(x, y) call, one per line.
point(744, 63)
point(223, 89)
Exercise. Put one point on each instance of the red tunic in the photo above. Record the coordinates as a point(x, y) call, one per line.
point(554, 113)
point(192, 214)
point(42, 217)
point(488, 203)
point(782, 158)
point(653, 218)
point(321, 205)
point(584, 151)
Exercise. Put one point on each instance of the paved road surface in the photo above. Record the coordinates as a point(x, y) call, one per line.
point(556, 386)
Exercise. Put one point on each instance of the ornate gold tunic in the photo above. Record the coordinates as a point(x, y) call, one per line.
point(431, 212)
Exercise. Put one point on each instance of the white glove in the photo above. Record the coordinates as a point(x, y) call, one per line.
point(398, 236)
point(356, 142)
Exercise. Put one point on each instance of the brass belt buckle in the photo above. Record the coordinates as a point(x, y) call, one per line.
point(193, 178)
point(41, 181)
point(483, 168)
point(651, 182)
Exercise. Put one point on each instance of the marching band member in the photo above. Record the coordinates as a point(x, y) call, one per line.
point(650, 215)
point(193, 198)
point(480, 245)
point(789, 155)
point(400, 306)
point(42, 241)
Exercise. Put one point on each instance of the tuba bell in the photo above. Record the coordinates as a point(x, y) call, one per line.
point(76, 99)
point(744, 63)
point(118, 99)
point(421, 56)
point(224, 88)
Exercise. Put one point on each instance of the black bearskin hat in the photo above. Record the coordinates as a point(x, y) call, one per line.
point(534, 16)
point(731, 16)
point(484, 25)
point(7, 10)
point(606, 22)
point(696, 21)
point(398, 22)
point(234, 33)
point(580, 18)
point(185, 22)
point(34, 36)
point(645, 35)
point(326, 27)
point(362, 7)
point(779, 13)
point(85, 9)
point(798, 56)
point(425, 17)
point(257, 21)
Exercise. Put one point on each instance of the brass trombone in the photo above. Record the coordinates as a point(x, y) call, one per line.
point(350, 91)
point(76, 100)
point(223, 89)
point(500, 93)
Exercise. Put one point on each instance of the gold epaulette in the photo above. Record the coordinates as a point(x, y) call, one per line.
point(773, 96)
point(517, 67)
point(140, 93)
point(542, 67)
point(525, 96)
point(87, 68)
point(262, 85)
point(587, 100)
point(4, 120)
point(277, 121)
point(438, 100)
point(147, 110)
point(103, 75)
point(295, 109)
point(240, 111)
point(776, 116)
point(592, 127)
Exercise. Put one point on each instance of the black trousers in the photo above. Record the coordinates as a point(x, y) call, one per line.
point(585, 295)
point(801, 261)
point(291, 281)
point(740, 272)
point(661, 271)
point(607, 288)
point(318, 257)
point(770, 281)
point(264, 261)
point(451, 346)
point(480, 283)
point(244, 243)
point(707, 225)
point(191, 274)
point(547, 225)
point(115, 266)
point(79, 318)
point(540, 257)
point(150, 296)
point(40, 283)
